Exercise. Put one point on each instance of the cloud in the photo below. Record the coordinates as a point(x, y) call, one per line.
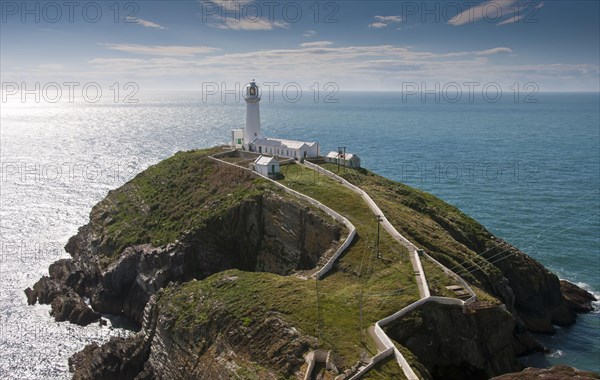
point(378, 25)
point(162, 50)
point(320, 56)
point(375, 66)
point(389, 19)
point(309, 33)
point(144, 23)
point(490, 10)
point(494, 51)
point(316, 44)
point(234, 16)
point(511, 20)
point(249, 24)
point(518, 17)
point(383, 21)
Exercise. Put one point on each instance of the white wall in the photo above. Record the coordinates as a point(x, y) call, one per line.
point(252, 130)
point(235, 135)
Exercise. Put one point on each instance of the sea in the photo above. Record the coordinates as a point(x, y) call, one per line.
point(527, 169)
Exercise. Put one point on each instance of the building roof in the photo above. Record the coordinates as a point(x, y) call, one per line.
point(281, 143)
point(334, 154)
point(264, 161)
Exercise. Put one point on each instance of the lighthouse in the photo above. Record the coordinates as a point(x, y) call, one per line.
point(250, 138)
point(252, 129)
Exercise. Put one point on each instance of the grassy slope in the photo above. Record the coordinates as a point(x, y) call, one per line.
point(174, 196)
point(445, 232)
point(386, 285)
point(183, 192)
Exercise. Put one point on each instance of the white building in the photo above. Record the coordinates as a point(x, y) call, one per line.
point(285, 148)
point(250, 137)
point(347, 159)
point(267, 166)
point(237, 138)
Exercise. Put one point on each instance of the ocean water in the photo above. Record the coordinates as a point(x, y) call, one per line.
point(530, 172)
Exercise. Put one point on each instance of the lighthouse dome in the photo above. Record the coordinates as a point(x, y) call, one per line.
point(252, 92)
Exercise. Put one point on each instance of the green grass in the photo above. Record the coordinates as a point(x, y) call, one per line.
point(177, 195)
point(251, 296)
point(386, 284)
point(386, 369)
point(438, 280)
point(184, 192)
point(445, 232)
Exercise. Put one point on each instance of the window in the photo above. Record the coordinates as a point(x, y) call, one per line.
point(239, 141)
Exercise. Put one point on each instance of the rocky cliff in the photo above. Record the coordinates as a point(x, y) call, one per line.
point(452, 344)
point(191, 332)
point(266, 231)
point(530, 291)
point(210, 261)
point(559, 372)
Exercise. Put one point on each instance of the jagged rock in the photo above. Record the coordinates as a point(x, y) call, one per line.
point(66, 304)
point(71, 307)
point(119, 359)
point(215, 348)
point(267, 233)
point(452, 344)
point(559, 372)
point(577, 299)
point(538, 298)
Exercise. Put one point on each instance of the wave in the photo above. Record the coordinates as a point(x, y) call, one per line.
point(555, 354)
point(595, 293)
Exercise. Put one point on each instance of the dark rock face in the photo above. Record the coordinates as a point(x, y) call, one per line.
point(219, 348)
point(208, 353)
point(558, 372)
point(530, 292)
point(267, 234)
point(452, 344)
point(119, 358)
point(576, 298)
point(64, 290)
point(538, 297)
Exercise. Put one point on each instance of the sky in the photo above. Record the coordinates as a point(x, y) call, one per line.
point(352, 45)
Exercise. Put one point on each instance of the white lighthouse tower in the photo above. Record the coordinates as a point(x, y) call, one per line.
point(252, 129)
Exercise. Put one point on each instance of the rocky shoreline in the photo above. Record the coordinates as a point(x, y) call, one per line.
point(271, 233)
